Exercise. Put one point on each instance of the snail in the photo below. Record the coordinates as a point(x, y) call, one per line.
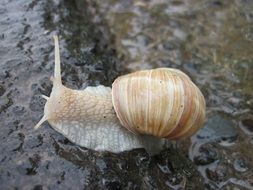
point(141, 110)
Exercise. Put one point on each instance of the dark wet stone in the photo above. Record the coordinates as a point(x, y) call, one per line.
point(33, 142)
point(235, 101)
point(219, 173)
point(219, 129)
point(37, 103)
point(217, 3)
point(18, 110)
point(164, 168)
point(240, 165)
point(111, 184)
point(5, 103)
point(206, 155)
point(248, 125)
point(213, 175)
point(45, 86)
point(211, 186)
point(38, 187)
point(172, 171)
point(2, 90)
point(16, 144)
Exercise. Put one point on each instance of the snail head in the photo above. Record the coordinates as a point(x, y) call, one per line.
point(58, 100)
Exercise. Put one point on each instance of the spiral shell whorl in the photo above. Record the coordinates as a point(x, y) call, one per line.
point(161, 102)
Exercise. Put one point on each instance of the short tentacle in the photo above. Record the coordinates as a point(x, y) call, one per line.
point(45, 97)
point(43, 119)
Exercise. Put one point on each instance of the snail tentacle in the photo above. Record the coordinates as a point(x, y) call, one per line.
point(57, 68)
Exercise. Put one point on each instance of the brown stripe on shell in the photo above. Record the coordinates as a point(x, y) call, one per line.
point(188, 105)
point(164, 101)
point(119, 99)
point(197, 118)
point(154, 100)
point(175, 98)
point(137, 89)
point(200, 118)
point(147, 102)
point(193, 116)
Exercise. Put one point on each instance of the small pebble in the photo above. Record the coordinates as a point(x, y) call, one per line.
point(240, 165)
point(207, 154)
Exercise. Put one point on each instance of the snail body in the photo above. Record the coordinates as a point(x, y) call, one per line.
point(140, 111)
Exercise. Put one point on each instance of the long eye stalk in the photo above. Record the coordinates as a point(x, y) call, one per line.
point(57, 68)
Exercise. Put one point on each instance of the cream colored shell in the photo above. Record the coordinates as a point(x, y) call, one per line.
point(161, 102)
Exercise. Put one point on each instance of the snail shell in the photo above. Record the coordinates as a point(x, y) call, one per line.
point(160, 102)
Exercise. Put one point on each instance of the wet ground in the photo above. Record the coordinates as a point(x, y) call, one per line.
point(210, 40)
